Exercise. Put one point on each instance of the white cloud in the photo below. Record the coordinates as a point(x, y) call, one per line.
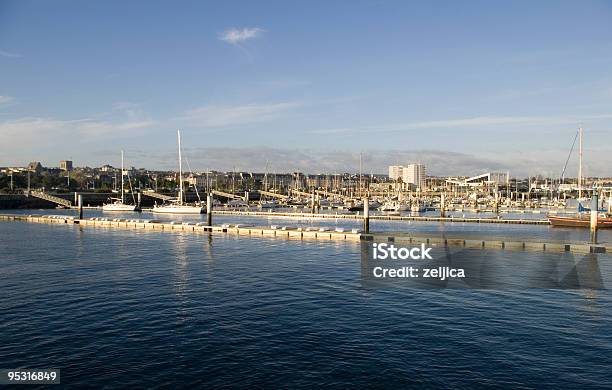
point(234, 36)
point(223, 116)
point(42, 130)
point(125, 105)
point(8, 54)
point(472, 123)
point(6, 99)
point(485, 121)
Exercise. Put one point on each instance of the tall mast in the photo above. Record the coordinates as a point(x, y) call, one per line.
point(178, 132)
point(122, 172)
point(360, 171)
point(580, 167)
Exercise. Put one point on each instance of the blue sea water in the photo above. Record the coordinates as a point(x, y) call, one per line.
point(462, 229)
point(129, 308)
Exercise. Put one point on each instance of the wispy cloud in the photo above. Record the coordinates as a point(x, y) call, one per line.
point(24, 131)
point(125, 105)
point(235, 36)
point(330, 161)
point(283, 160)
point(224, 116)
point(9, 54)
point(470, 123)
point(6, 99)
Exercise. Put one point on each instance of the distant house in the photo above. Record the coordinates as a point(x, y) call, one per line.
point(66, 165)
point(35, 166)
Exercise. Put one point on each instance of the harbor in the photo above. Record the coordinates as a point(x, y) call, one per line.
point(305, 195)
point(314, 232)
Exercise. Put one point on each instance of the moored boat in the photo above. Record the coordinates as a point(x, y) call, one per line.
point(178, 205)
point(119, 203)
point(581, 221)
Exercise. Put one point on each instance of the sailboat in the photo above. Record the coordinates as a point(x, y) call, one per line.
point(119, 203)
point(394, 205)
point(178, 205)
point(582, 218)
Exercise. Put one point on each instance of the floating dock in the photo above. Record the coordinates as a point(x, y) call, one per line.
point(383, 217)
point(322, 233)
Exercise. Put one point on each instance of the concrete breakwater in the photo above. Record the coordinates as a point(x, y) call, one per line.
point(322, 233)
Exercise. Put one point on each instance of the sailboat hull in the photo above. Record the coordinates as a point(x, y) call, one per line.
point(581, 222)
point(119, 207)
point(178, 209)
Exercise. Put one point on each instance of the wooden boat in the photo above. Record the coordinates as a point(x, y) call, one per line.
point(582, 221)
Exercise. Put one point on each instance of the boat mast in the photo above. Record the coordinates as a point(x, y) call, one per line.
point(580, 166)
point(360, 172)
point(122, 172)
point(178, 132)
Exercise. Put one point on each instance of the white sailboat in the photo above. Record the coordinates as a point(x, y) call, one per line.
point(179, 206)
point(394, 205)
point(119, 203)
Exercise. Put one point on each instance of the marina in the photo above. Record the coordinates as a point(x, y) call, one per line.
point(306, 195)
point(313, 232)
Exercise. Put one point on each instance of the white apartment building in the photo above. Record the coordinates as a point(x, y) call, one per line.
point(410, 174)
point(395, 172)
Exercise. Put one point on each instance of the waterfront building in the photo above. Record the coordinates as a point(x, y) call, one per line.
point(414, 174)
point(107, 168)
point(197, 180)
point(66, 165)
point(485, 179)
point(35, 166)
point(395, 172)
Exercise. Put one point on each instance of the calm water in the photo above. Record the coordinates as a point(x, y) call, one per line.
point(462, 229)
point(123, 308)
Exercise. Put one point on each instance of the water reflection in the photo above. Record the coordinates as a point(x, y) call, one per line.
point(489, 269)
point(181, 264)
point(466, 229)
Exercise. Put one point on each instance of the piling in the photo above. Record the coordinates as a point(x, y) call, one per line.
point(246, 197)
point(313, 202)
point(76, 197)
point(209, 208)
point(594, 208)
point(139, 199)
point(80, 206)
point(496, 202)
point(442, 206)
point(366, 215)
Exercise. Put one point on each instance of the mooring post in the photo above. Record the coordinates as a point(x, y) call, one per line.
point(366, 215)
point(76, 198)
point(313, 202)
point(80, 206)
point(594, 208)
point(496, 202)
point(442, 206)
point(139, 199)
point(209, 208)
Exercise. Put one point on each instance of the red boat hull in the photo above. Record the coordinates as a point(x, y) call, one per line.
point(582, 222)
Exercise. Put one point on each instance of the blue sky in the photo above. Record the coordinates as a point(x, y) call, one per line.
point(460, 86)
